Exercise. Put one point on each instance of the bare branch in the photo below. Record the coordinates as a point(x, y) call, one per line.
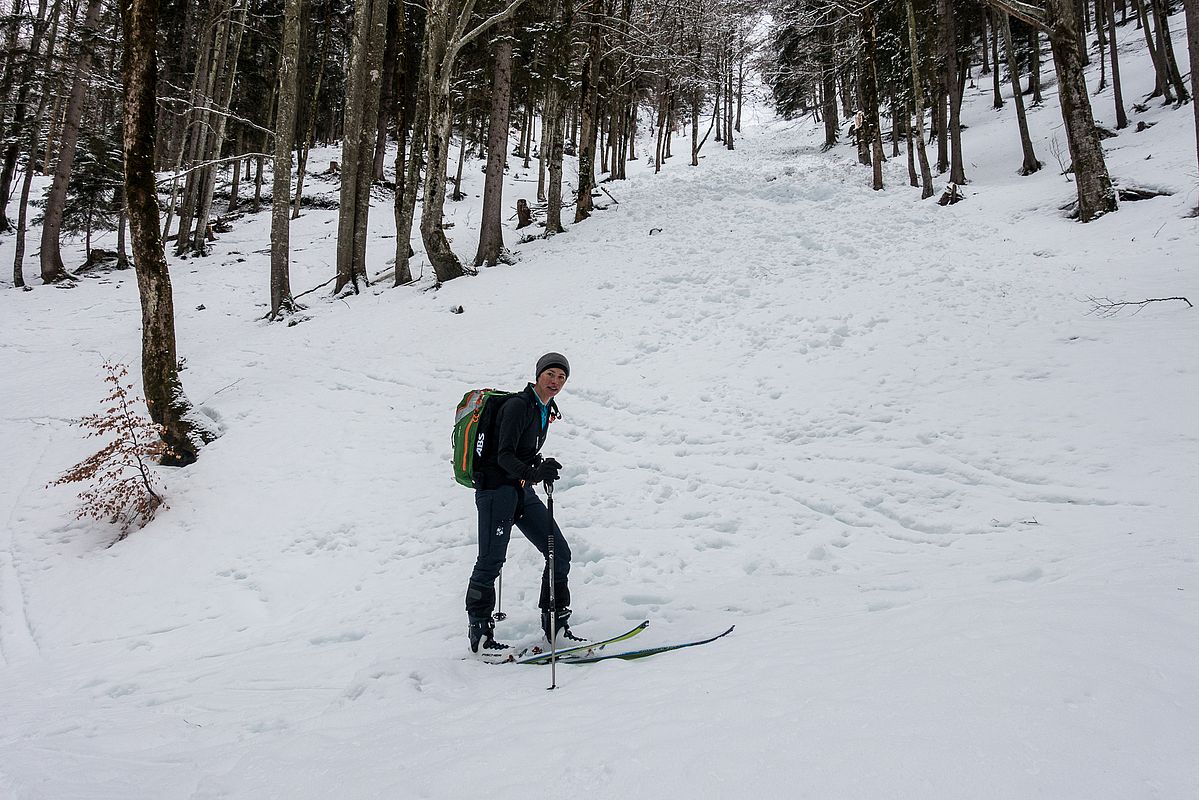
point(1106, 307)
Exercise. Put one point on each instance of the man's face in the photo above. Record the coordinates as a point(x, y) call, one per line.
point(550, 382)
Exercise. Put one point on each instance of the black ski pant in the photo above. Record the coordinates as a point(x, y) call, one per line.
point(499, 510)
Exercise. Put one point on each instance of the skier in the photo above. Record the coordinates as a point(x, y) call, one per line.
point(504, 497)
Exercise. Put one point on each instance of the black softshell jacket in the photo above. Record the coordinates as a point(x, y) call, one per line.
point(519, 436)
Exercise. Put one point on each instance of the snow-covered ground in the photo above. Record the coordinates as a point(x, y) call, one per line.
point(951, 513)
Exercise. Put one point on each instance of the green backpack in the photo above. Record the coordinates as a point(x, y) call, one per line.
point(473, 422)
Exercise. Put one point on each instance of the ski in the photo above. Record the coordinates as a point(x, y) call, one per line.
point(632, 655)
point(543, 657)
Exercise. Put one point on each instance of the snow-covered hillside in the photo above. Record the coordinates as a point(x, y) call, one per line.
point(952, 514)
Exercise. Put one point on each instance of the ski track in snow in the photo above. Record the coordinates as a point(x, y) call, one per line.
point(951, 514)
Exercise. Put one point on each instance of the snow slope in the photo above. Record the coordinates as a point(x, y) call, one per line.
point(951, 513)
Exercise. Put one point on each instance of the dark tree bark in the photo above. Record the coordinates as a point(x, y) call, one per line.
point(1161, 86)
point(589, 113)
point(1030, 163)
point(442, 46)
point(32, 134)
point(1117, 87)
point(357, 154)
point(1034, 66)
point(991, 17)
point(1165, 47)
point(926, 175)
point(53, 269)
point(25, 83)
point(828, 78)
point(949, 53)
point(1192, 19)
point(285, 134)
point(168, 405)
point(1095, 193)
point(870, 97)
point(491, 235)
point(218, 123)
point(309, 136)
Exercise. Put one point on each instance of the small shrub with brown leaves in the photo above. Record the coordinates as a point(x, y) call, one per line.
point(122, 488)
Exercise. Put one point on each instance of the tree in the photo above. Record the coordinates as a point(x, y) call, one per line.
point(491, 235)
point(926, 175)
point(557, 78)
point(357, 149)
point(870, 131)
point(285, 134)
point(53, 269)
point(34, 128)
point(92, 197)
point(947, 26)
point(445, 36)
point(1095, 193)
point(168, 405)
point(1030, 163)
point(1192, 16)
point(589, 96)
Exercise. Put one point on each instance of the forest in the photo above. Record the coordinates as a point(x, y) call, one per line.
point(164, 122)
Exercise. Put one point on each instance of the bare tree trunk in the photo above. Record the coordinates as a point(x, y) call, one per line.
point(741, 80)
point(25, 81)
point(913, 178)
point(1030, 164)
point(442, 46)
point(357, 163)
point(926, 175)
point(1034, 68)
point(217, 140)
point(991, 17)
point(1161, 87)
point(309, 137)
point(405, 209)
point(1192, 20)
point(201, 132)
point(728, 91)
point(589, 113)
point(552, 136)
point(285, 134)
point(1165, 47)
point(34, 128)
point(828, 79)
point(53, 269)
point(1095, 193)
point(458, 196)
point(1117, 87)
point(168, 405)
point(949, 52)
point(491, 235)
point(438, 74)
point(870, 96)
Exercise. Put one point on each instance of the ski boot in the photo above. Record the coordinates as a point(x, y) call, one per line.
point(560, 625)
point(484, 645)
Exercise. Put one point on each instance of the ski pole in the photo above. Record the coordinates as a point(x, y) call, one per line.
point(499, 615)
point(549, 494)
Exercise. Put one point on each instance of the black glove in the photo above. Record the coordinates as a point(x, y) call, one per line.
point(546, 471)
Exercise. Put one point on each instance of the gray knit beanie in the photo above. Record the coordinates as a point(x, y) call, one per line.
point(553, 360)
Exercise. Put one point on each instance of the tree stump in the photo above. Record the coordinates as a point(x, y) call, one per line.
point(524, 215)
